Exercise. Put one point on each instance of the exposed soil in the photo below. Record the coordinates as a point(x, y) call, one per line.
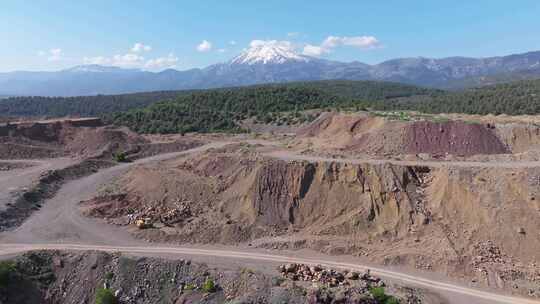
point(454, 137)
point(44, 188)
point(8, 166)
point(84, 138)
point(364, 134)
point(475, 222)
point(428, 218)
point(65, 277)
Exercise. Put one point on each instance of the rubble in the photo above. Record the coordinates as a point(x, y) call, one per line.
point(328, 277)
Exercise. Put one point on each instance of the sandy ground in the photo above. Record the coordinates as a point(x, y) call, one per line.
point(16, 180)
point(59, 225)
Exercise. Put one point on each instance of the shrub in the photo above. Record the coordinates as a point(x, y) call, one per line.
point(6, 271)
point(120, 157)
point(381, 297)
point(190, 286)
point(109, 276)
point(209, 286)
point(105, 296)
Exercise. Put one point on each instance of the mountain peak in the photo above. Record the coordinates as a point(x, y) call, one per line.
point(269, 52)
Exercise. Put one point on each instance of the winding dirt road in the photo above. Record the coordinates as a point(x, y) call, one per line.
point(59, 225)
point(17, 179)
point(9, 249)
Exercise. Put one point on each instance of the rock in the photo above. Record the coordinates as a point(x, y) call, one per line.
point(289, 268)
point(143, 223)
point(57, 261)
point(315, 268)
point(352, 275)
point(521, 230)
point(118, 293)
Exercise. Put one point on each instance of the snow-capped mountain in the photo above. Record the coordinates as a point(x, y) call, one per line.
point(269, 53)
point(271, 63)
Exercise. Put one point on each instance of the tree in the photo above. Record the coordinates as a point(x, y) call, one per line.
point(105, 296)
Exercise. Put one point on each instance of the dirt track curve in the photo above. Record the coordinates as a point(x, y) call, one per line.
point(8, 249)
point(59, 225)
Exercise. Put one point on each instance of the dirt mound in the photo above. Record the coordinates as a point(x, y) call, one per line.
point(65, 278)
point(369, 135)
point(422, 217)
point(520, 137)
point(101, 141)
point(452, 137)
point(362, 134)
point(85, 138)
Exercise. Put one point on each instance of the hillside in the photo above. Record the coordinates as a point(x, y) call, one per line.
point(102, 104)
point(514, 98)
point(218, 110)
point(79, 106)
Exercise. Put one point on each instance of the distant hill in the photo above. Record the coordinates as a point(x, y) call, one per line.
point(514, 98)
point(270, 64)
point(102, 104)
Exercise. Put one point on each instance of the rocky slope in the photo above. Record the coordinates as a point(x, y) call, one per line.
point(68, 277)
point(476, 223)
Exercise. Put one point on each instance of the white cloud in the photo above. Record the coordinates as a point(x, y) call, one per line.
point(362, 42)
point(274, 43)
point(332, 42)
point(293, 34)
point(313, 50)
point(100, 60)
point(55, 54)
point(127, 60)
point(41, 53)
point(162, 62)
point(222, 50)
point(140, 47)
point(205, 46)
point(232, 42)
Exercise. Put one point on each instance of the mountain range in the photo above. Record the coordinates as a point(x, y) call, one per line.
point(273, 64)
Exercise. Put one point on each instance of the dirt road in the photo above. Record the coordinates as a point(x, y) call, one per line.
point(59, 219)
point(288, 155)
point(8, 249)
point(17, 179)
point(59, 225)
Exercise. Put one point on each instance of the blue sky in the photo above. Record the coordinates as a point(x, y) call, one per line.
point(51, 35)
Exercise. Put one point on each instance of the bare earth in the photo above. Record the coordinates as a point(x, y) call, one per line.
point(372, 191)
point(16, 180)
point(59, 225)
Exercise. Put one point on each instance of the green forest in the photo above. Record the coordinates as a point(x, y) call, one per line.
point(104, 104)
point(81, 105)
point(514, 98)
point(219, 110)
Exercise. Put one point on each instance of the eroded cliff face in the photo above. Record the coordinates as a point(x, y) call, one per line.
point(336, 199)
point(234, 198)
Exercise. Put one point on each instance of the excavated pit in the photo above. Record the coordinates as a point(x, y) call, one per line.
point(436, 219)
